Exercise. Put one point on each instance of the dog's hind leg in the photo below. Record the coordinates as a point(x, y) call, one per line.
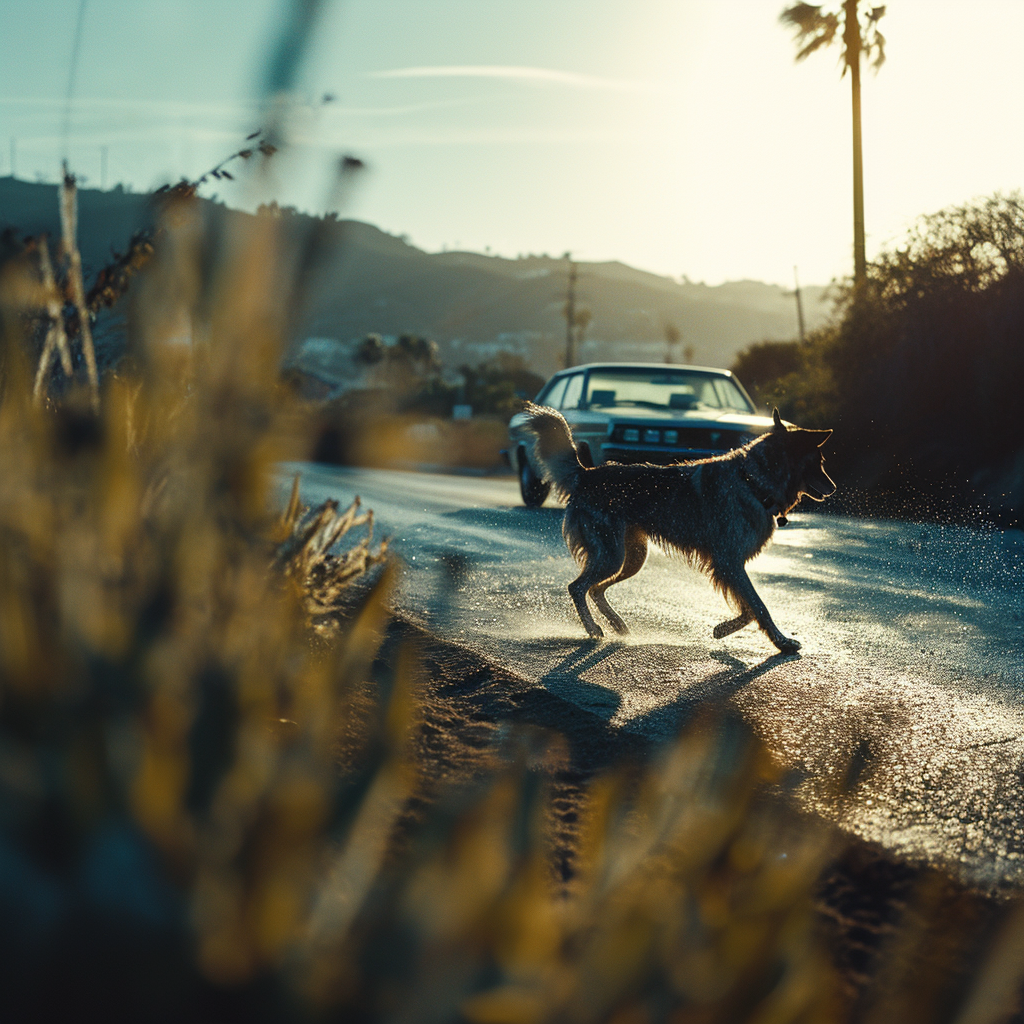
point(604, 557)
point(636, 556)
point(733, 625)
point(732, 577)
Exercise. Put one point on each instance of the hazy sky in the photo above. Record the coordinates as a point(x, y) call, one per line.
point(674, 135)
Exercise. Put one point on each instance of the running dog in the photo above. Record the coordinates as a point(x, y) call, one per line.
point(717, 512)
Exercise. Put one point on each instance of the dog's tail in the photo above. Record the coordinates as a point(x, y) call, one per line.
point(554, 454)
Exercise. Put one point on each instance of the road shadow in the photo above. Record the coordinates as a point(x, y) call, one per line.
point(652, 690)
point(664, 722)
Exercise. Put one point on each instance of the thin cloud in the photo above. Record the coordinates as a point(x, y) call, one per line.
point(517, 74)
point(399, 111)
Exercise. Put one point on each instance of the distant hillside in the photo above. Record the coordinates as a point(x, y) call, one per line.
point(106, 220)
point(472, 305)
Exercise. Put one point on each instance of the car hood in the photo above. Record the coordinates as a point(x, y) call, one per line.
point(685, 418)
point(657, 417)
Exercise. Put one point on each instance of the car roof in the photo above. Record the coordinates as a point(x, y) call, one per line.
point(645, 366)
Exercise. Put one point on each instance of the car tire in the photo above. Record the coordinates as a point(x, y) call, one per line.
point(531, 487)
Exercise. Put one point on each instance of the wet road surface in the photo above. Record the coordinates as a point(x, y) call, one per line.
point(912, 668)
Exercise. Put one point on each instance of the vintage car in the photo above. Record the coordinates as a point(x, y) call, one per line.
point(640, 412)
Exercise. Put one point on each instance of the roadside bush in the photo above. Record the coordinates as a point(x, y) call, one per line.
point(933, 348)
point(920, 372)
point(761, 365)
point(498, 386)
point(408, 423)
point(495, 388)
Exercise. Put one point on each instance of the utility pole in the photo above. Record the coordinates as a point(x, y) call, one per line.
point(103, 168)
point(799, 305)
point(14, 148)
point(570, 317)
point(672, 338)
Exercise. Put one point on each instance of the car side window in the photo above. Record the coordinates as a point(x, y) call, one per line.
point(729, 396)
point(573, 392)
point(554, 397)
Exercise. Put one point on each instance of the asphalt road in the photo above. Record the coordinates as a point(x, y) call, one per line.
point(912, 665)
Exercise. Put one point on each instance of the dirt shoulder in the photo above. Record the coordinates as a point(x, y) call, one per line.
point(893, 930)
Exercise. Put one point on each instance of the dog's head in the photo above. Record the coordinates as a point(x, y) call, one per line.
point(808, 464)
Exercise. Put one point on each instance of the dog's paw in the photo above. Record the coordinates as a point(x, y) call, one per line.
point(787, 645)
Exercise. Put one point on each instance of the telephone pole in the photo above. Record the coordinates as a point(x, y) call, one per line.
point(570, 318)
point(672, 338)
point(799, 306)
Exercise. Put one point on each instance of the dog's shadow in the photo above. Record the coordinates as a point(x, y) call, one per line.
point(653, 689)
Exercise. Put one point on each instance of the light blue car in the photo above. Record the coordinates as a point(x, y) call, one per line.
point(641, 412)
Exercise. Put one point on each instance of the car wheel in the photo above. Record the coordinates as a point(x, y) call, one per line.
point(533, 489)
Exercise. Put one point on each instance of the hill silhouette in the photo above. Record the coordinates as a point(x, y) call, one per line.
point(472, 305)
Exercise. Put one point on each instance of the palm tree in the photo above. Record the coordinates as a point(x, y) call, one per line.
point(815, 29)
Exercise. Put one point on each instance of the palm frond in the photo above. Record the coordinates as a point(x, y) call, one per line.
point(814, 30)
point(874, 41)
point(804, 17)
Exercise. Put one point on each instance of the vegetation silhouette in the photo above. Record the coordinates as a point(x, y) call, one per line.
point(921, 370)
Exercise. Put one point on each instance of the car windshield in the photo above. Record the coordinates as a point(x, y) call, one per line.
point(663, 389)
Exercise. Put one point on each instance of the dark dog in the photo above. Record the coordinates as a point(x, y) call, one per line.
point(718, 512)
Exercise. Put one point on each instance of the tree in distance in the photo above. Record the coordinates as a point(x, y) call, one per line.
point(816, 29)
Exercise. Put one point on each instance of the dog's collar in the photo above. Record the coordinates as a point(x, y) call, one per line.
point(771, 506)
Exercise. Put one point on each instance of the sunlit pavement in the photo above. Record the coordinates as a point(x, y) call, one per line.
point(912, 665)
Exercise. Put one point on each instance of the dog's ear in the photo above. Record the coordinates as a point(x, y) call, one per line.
point(779, 425)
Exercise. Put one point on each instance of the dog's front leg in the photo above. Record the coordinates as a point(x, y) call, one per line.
point(734, 579)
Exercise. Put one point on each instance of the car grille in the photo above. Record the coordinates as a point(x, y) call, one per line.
point(698, 438)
